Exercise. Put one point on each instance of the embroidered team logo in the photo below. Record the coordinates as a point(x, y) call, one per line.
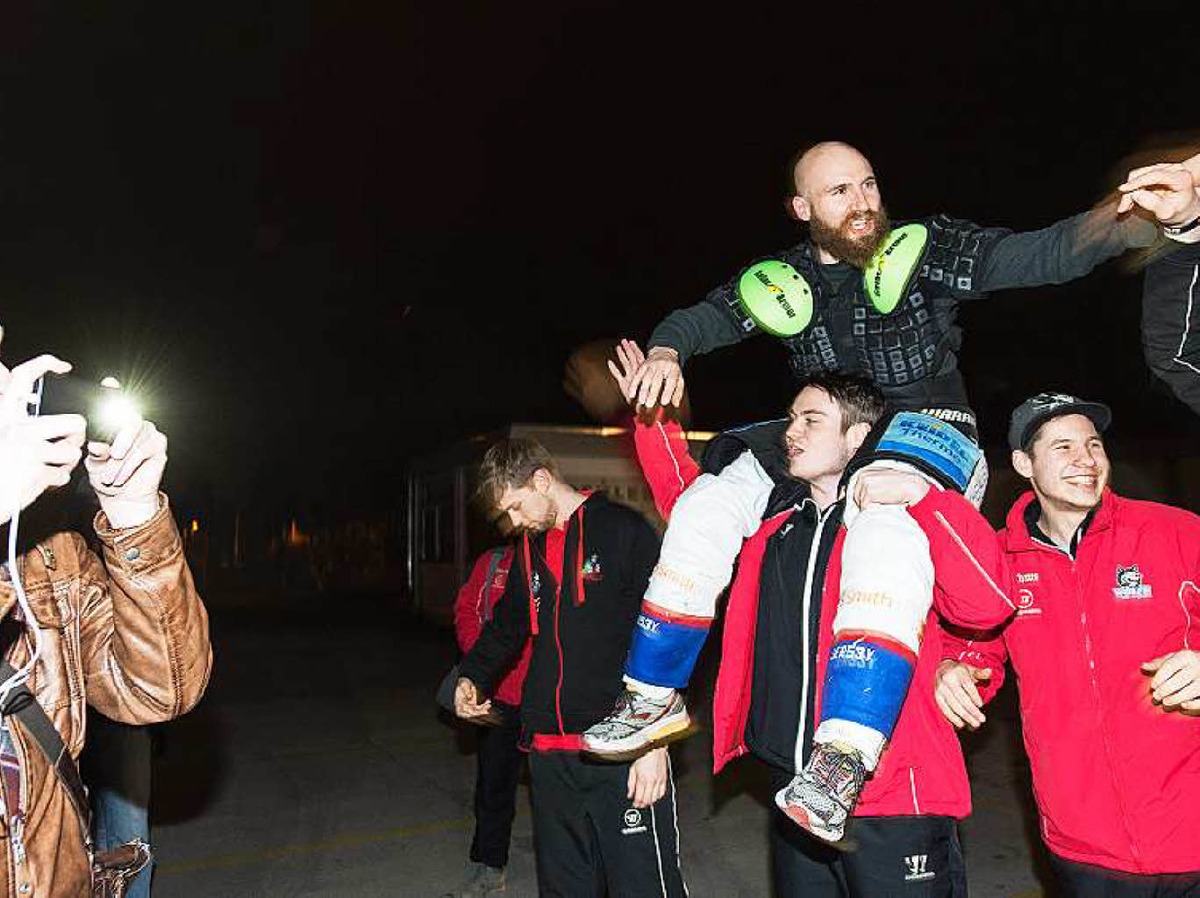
point(1025, 598)
point(1130, 584)
point(916, 868)
point(632, 819)
point(535, 587)
point(592, 572)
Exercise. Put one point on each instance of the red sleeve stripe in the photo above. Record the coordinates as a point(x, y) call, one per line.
point(974, 561)
point(674, 617)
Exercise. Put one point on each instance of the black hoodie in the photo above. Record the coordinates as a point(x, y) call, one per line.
point(581, 632)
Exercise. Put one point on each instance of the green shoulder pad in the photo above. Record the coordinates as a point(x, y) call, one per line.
point(777, 297)
point(891, 271)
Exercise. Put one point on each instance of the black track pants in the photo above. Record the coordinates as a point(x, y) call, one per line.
point(893, 857)
point(588, 836)
point(497, 768)
point(1077, 880)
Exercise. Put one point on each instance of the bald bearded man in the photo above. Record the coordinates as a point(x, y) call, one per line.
point(872, 299)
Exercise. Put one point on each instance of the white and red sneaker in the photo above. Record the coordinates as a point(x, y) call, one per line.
point(637, 723)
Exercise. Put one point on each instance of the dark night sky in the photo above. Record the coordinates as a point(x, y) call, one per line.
point(333, 235)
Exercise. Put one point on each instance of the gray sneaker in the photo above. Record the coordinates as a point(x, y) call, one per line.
point(636, 724)
point(820, 798)
point(480, 880)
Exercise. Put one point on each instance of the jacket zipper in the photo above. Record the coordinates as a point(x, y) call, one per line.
point(562, 730)
point(806, 604)
point(1087, 645)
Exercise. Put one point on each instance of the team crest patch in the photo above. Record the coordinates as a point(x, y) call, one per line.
point(592, 572)
point(1130, 584)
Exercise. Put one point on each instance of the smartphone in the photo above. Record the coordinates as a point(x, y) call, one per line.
point(103, 402)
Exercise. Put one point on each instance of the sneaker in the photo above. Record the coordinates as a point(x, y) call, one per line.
point(480, 880)
point(636, 723)
point(820, 798)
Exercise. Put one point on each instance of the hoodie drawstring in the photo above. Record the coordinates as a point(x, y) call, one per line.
point(580, 598)
point(533, 618)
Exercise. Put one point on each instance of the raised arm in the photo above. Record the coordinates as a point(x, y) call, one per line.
point(694, 330)
point(658, 439)
point(1064, 251)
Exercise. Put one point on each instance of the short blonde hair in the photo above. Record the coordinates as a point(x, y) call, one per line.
point(512, 462)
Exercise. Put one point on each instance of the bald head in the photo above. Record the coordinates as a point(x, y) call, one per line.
point(818, 162)
point(837, 195)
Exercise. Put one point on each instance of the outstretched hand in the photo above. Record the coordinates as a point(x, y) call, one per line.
point(1167, 190)
point(659, 379)
point(629, 359)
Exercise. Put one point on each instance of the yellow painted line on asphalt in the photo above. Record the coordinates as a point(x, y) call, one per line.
point(280, 852)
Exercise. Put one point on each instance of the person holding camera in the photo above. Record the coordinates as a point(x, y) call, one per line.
point(123, 631)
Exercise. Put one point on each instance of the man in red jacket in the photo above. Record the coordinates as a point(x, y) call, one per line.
point(779, 631)
point(498, 758)
point(1103, 647)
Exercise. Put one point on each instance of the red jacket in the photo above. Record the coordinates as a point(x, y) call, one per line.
point(1116, 778)
point(922, 771)
point(473, 600)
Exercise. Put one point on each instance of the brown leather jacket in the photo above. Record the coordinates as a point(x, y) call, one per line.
point(129, 636)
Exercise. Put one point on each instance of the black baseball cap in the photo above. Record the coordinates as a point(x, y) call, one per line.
point(1037, 410)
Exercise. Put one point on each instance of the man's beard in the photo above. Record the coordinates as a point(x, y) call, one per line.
point(841, 244)
point(545, 522)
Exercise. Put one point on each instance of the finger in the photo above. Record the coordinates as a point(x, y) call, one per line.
point(60, 452)
point(948, 711)
point(56, 427)
point(129, 435)
point(1185, 690)
point(1173, 175)
point(677, 399)
point(981, 674)
point(660, 789)
point(649, 385)
point(967, 710)
point(668, 389)
point(971, 693)
point(655, 387)
point(631, 785)
point(636, 380)
point(623, 358)
point(1144, 170)
point(618, 376)
point(149, 448)
point(1171, 665)
point(1171, 682)
point(1167, 183)
point(1148, 200)
point(129, 466)
point(967, 700)
point(860, 492)
point(18, 389)
point(1155, 663)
